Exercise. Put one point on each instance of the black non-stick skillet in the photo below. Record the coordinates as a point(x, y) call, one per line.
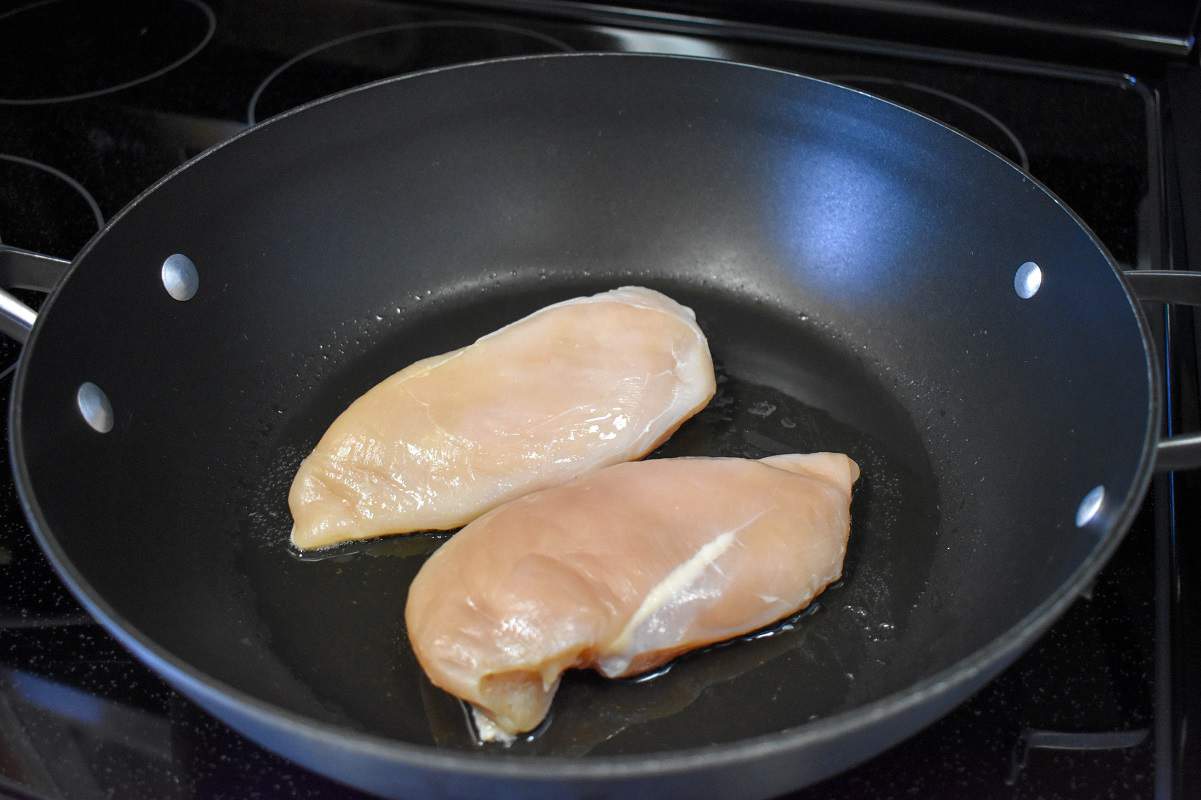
point(870, 282)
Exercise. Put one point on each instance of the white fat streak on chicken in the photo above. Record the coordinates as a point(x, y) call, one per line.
point(660, 619)
point(489, 731)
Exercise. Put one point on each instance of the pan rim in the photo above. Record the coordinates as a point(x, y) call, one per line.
point(984, 662)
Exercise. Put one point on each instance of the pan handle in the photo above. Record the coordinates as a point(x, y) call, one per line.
point(22, 269)
point(1183, 288)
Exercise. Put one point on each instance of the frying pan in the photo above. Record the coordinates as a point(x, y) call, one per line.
point(870, 282)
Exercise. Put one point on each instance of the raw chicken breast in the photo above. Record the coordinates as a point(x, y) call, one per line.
point(571, 388)
point(621, 571)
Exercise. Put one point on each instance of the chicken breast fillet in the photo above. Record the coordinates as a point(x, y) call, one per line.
point(571, 388)
point(621, 571)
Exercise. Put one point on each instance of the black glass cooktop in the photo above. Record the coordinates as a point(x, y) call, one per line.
point(100, 99)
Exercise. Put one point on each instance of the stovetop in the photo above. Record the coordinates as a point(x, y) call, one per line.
point(100, 99)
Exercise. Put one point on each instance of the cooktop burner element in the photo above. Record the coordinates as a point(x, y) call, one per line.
point(44, 209)
point(370, 55)
point(962, 115)
point(96, 48)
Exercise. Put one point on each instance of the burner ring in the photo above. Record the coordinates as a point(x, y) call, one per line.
point(252, 108)
point(65, 178)
point(210, 29)
point(1001, 127)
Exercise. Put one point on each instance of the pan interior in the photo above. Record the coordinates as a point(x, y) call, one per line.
point(336, 623)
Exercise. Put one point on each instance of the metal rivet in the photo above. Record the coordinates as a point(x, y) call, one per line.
point(1090, 506)
point(1027, 280)
point(180, 278)
point(94, 406)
